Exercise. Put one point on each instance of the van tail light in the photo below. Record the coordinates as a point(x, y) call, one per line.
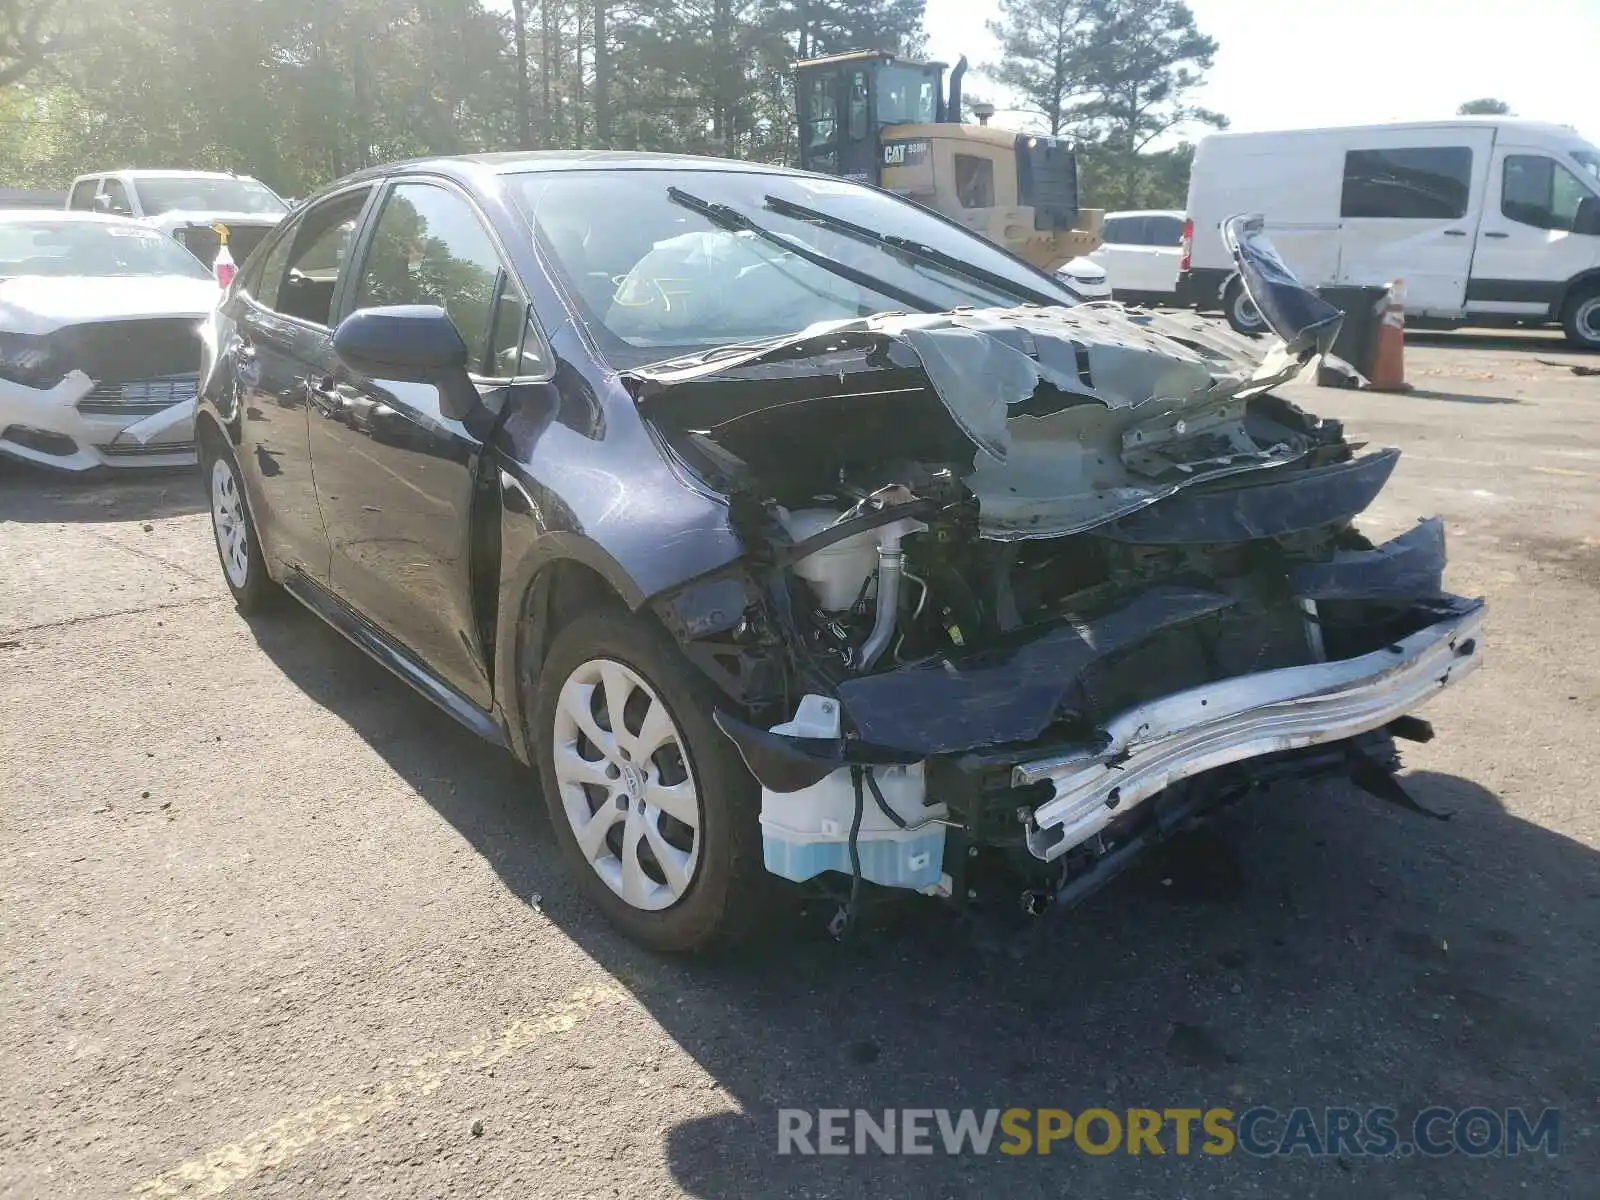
point(1187, 244)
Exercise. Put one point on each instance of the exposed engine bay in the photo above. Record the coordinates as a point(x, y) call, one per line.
point(1026, 589)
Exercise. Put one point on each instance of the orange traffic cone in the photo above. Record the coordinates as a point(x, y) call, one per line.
point(1389, 363)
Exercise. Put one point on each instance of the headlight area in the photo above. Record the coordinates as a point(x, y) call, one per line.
point(31, 360)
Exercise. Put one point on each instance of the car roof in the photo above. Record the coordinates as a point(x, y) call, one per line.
point(1523, 124)
point(67, 217)
point(166, 173)
point(515, 162)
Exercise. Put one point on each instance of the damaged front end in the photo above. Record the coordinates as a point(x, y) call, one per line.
point(1026, 589)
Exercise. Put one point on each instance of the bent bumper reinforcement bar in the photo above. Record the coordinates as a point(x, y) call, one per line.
point(1170, 739)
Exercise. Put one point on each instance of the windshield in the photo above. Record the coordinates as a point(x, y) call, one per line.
point(201, 193)
point(92, 249)
point(1589, 160)
point(655, 279)
point(906, 96)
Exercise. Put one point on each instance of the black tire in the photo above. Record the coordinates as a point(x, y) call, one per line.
point(1241, 313)
point(729, 891)
point(1580, 318)
point(253, 589)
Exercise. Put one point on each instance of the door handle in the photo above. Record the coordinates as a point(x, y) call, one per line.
point(1455, 233)
point(1495, 233)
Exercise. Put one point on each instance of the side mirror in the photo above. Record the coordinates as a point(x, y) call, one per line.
point(413, 343)
point(1587, 218)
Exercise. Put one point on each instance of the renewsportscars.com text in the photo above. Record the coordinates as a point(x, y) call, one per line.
point(1260, 1131)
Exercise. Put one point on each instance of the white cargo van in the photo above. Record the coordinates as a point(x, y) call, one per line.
point(1489, 220)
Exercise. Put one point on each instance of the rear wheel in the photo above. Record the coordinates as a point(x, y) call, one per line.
point(1580, 319)
point(244, 567)
point(1241, 312)
point(651, 803)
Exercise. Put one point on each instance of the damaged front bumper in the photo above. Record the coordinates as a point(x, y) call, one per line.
point(1148, 748)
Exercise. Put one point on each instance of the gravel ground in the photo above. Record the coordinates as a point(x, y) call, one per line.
point(273, 925)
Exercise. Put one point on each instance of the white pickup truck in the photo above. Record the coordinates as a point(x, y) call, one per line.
point(186, 205)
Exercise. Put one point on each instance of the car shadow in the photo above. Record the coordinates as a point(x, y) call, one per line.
point(38, 494)
point(1313, 946)
point(1541, 341)
point(1417, 393)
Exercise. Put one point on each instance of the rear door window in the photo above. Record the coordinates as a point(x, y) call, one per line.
point(320, 250)
point(1164, 231)
point(1428, 183)
point(1116, 230)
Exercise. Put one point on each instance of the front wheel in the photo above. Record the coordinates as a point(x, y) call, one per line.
point(651, 804)
point(244, 567)
point(1580, 319)
point(1241, 312)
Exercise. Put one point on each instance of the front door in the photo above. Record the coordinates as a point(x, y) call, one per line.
point(1409, 210)
point(283, 340)
point(1526, 248)
point(396, 477)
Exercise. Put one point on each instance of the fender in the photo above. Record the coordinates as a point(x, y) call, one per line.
point(1581, 280)
point(533, 543)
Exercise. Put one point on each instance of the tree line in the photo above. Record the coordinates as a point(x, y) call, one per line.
point(299, 92)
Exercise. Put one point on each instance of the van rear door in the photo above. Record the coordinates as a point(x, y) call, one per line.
point(1409, 208)
point(1526, 247)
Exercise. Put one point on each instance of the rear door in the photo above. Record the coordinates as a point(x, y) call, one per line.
point(396, 477)
point(1526, 248)
point(285, 354)
point(1409, 208)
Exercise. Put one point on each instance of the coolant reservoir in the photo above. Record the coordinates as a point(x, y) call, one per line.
point(838, 572)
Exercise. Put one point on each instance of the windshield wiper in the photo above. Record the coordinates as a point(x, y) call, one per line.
point(913, 249)
point(727, 217)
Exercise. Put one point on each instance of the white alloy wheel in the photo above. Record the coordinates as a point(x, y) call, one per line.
point(229, 522)
point(627, 787)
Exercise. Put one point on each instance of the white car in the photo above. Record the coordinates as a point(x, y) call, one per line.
point(187, 205)
point(1086, 278)
point(99, 341)
point(1140, 253)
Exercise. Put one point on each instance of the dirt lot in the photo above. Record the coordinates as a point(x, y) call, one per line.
point(273, 925)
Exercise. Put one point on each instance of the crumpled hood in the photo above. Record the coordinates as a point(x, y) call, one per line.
point(38, 304)
point(1078, 415)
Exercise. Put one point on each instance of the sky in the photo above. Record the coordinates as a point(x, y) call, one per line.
point(1365, 61)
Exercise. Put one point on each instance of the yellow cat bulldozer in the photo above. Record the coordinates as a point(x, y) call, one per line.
point(871, 117)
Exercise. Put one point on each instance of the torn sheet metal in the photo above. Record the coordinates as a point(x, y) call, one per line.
point(1274, 507)
point(1078, 416)
point(1005, 694)
point(1406, 568)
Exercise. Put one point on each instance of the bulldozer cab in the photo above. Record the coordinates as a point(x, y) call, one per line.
point(869, 117)
point(850, 102)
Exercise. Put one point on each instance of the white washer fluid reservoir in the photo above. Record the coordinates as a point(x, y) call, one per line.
point(807, 832)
